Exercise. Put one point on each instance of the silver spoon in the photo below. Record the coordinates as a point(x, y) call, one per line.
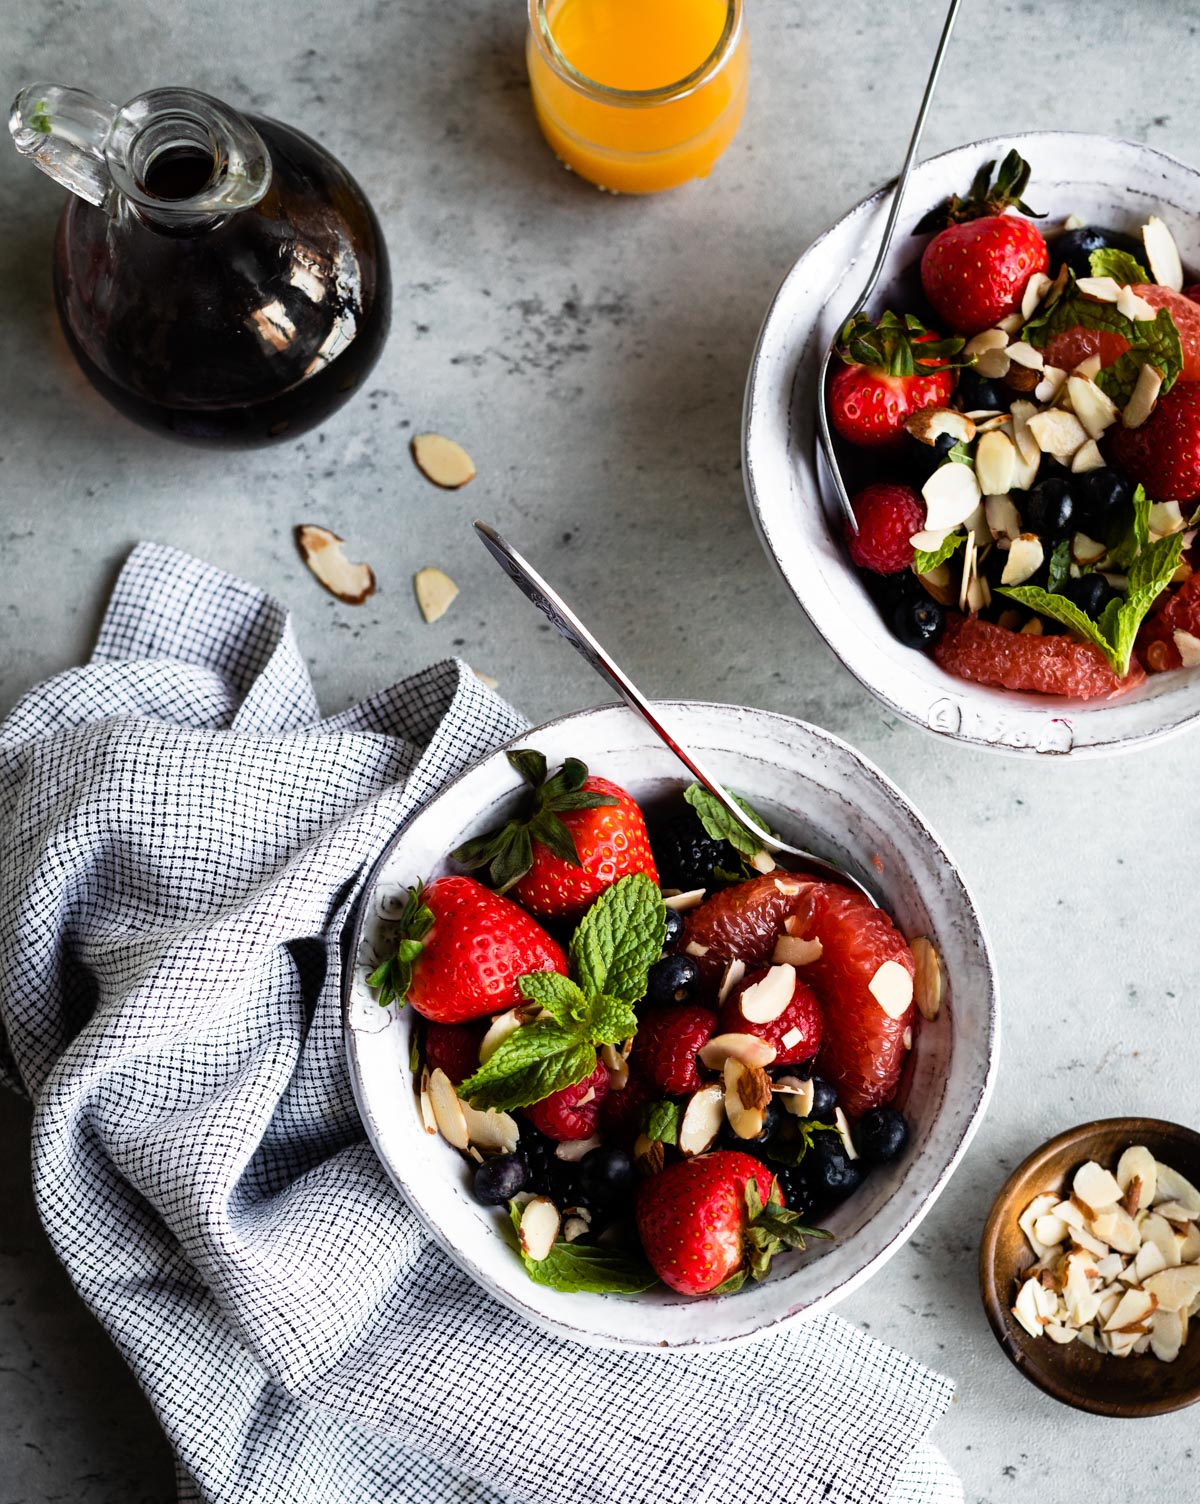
point(563, 619)
point(889, 231)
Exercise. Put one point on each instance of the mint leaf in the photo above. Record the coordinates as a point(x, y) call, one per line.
point(1123, 555)
point(924, 561)
point(620, 938)
point(574, 1267)
point(611, 1021)
point(535, 1060)
point(792, 1151)
point(1059, 608)
point(1120, 266)
point(720, 824)
point(661, 1122)
point(1060, 566)
point(559, 995)
point(1149, 576)
point(1157, 344)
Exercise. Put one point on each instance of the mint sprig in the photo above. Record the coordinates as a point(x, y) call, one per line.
point(1120, 266)
point(616, 943)
point(1136, 537)
point(576, 1267)
point(925, 560)
point(720, 824)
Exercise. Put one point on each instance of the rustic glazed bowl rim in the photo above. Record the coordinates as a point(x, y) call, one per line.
point(782, 371)
point(995, 1287)
point(954, 1115)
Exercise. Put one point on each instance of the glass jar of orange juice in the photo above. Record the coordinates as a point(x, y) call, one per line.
point(638, 95)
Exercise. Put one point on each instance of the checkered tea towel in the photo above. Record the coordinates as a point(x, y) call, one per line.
point(181, 839)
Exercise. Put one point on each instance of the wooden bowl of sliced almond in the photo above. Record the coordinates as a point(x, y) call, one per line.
point(1090, 1267)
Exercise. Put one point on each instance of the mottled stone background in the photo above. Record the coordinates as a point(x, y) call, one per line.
point(591, 353)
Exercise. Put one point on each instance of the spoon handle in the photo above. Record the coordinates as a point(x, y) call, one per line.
point(559, 614)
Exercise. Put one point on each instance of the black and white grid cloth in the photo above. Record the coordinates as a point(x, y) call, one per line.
point(181, 838)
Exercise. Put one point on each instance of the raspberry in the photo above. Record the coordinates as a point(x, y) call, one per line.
point(565, 1114)
point(991, 654)
point(664, 1048)
point(743, 922)
point(888, 515)
point(621, 1111)
point(454, 1048)
point(802, 1013)
point(1174, 611)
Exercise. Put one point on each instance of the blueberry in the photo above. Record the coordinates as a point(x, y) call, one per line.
point(891, 590)
point(674, 979)
point(605, 1176)
point(1075, 247)
point(497, 1181)
point(977, 394)
point(832, 1173)
point(919, 623)
point(686, 855)
point(674, 926)
point(1049, 509)
point(824, 1100)
point(1102, 499)
point(773, 1119)
point(881, 1135)
point(1090, 592)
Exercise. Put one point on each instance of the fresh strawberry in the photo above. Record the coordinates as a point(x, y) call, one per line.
point(863, 1045)
point(708, 1222)
point(621, 1111)
point(891, 369)
point(888, 515)
point(802, 1015)
point(741, 922)
point(578, 837)
point(462, 951)
point(573, 1111)
point(974, 270)
point(665, 1046)
point(454, 1048)
point(1164, 453)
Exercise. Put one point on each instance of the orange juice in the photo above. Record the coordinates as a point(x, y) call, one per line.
point(638, 95)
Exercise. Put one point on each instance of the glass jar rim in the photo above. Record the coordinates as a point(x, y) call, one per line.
point(543, 35)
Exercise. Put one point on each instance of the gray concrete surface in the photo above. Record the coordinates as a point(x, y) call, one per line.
point(591, 353)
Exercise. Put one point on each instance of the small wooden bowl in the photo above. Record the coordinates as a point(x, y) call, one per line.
point(1096, 1382)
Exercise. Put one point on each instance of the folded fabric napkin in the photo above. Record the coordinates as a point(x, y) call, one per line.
point(181, 840)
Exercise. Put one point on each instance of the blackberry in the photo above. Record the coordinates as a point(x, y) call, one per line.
point(686, 855)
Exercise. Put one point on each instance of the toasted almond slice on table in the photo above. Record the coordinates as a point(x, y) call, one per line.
point(1175, 1289)
point(1095, 1187)
point(486, 679)
point(324, 554)
point(448, 1110)
point(1170, 1185)
point(702, 1119)
point(539, 1228)
point(734, 973)
point(435, 592)
point(927, 979)
point(442, 461)
point(768, 999)
point(748, 1048)
point(892, 988)
point(1163, 254)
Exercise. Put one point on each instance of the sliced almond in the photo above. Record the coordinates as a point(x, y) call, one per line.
point(1138, 1163)
point(1035, 290)
point(892, 988)
point(1038, 1207)
point(1026, 1308)
point(574, 1228)
point(1050, 1230)
point(843, 1128)
point(1010, 323)
point(1175, 1289)
point(572, 1150)
point(1085, 550)
point(649, 1156)
point(493, 1131)
point(448, 1110)
point(1157, 1230)
point(500, 1028)
point(927, 977)
point(734, 972)
point(682, 902)
point(1060, 1334)
point(994, 365)
point(748, 1048)
point(1099, 289)
point(435, 592)
point(1134, 307)
point(426, 1102)
point(1118, 1229)
point(1170, 1185)
point(936, 582)
point(1093, 407)
point(747, 1094)
point(694, 948)
point(769, 998)
point(1095, 1186)
point(539, 1228)
point(1149, 1261)
point(1026, 355)
point(1025, 558)
point(442, 461)
point(796, 1095)
point(1003, 519)
point(1057, 431)
point(324, 554)
point(951, 494)
point(617, 1066)
point(702, 1119)
point(995, 463)
point(793, 950)
point(1145, 396)
point(1087, 457)
point(763, 861)
point(1188, 647)
point(932, 423)
point(1052, 382)
point(1166, 1335)
point(1163, 254)
point(791, 887)
point(988, 339)
point(929, 542)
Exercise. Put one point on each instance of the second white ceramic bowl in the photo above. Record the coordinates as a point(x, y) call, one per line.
point(1117, 184)
point(815, 790)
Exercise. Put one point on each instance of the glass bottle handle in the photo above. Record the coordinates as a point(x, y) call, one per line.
point(63, 131)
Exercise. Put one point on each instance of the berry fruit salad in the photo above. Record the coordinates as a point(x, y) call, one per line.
point(1024, 445)
point(667, 1057)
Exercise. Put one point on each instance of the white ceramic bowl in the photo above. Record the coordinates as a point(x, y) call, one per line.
point(814, 789)
point(1113, 183)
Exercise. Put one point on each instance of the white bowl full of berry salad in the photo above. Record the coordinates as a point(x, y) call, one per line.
point(1017, 421)
point(644, 1083)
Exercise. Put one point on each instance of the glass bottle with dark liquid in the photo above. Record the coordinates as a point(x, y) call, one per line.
point(219, 277)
